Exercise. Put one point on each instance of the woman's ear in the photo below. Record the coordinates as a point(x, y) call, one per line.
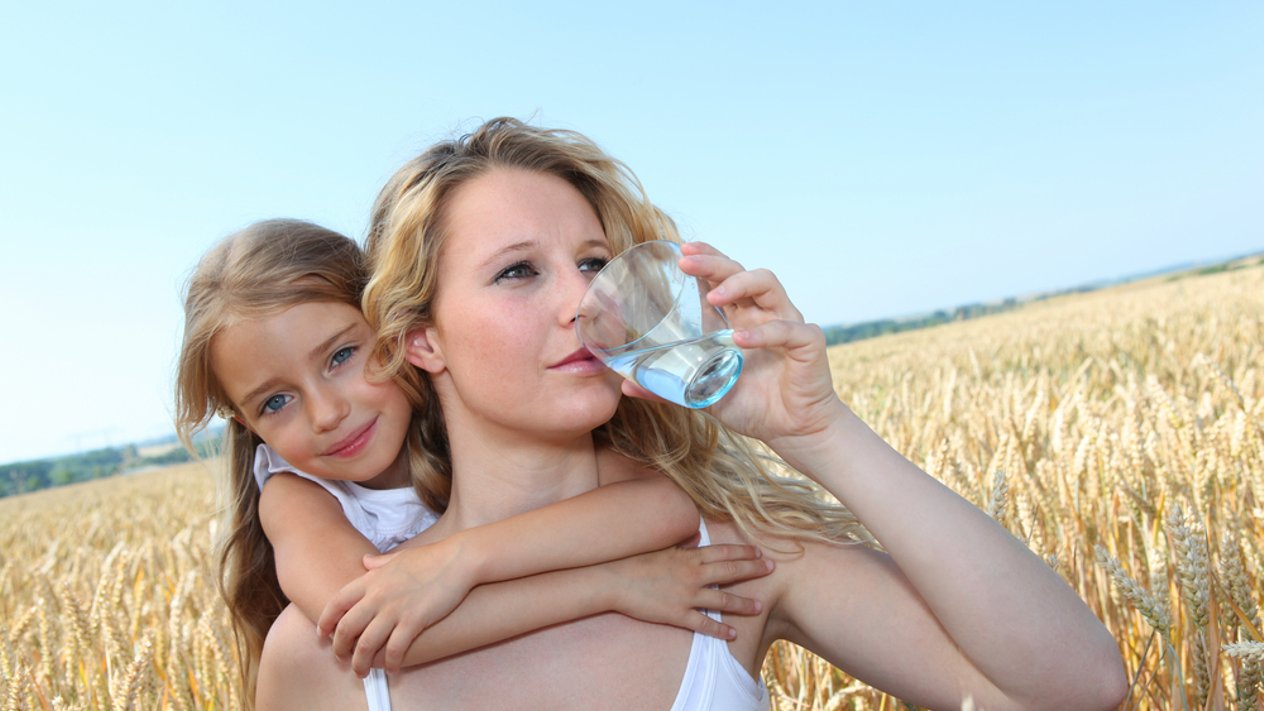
point(421, 349)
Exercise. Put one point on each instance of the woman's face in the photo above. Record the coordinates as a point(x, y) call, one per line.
point(520, 250)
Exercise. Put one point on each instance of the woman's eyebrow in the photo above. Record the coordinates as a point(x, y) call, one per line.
point(500, 253)
point(527, 245)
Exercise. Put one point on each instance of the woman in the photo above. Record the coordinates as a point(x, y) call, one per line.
point(482, 248)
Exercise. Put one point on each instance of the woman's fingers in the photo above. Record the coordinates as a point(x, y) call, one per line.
point(758, 286)
point(792, 336)
point(689, 249)
point(711, 268)
point(733, 286)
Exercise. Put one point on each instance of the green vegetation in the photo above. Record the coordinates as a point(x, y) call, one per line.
point(23, 477)
point(871, 329)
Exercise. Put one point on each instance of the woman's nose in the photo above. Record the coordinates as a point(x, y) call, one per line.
point(570, 293)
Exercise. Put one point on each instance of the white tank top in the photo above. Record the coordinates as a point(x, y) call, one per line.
point(387, 517)
point(714, 680)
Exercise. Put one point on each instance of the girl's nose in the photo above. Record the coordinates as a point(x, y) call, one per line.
point(327, 409)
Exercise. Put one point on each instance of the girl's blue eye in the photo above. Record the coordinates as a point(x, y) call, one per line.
point(521, 270)
point(592, 264)
point(343, 355)
point(275, 403)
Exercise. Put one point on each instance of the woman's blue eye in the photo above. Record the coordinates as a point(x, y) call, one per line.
point(517, 271)
point(275, 403)
point(592, 264)
point(343, 355)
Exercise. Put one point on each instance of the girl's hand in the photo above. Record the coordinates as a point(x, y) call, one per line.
point(378, 615)
point(785, 393)
point(672, 586)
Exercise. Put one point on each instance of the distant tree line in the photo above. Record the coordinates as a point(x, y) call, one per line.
point(23, 477)
point(872, 329)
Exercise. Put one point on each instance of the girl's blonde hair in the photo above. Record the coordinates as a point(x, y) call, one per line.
point(723, 472)
point(261, 270)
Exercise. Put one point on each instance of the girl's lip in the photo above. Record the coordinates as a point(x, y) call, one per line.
point(353, 444)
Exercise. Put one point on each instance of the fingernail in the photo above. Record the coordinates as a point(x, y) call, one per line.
point(767, 565)
point(759, 606)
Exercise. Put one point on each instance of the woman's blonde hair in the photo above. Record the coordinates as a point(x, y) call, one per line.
point(723, 472)
point(261, 270)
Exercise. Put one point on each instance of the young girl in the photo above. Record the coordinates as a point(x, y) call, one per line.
point(482, 248)
point(319, 459)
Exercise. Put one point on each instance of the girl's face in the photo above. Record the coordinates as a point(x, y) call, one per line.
point(520, 250)
point(296, 379)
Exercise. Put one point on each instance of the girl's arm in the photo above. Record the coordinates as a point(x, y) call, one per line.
point(411, 589)
point(318, 552)
point(316, 549)
point(669, 587)
point(959, 607)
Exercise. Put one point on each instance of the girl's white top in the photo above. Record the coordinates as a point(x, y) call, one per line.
point(387, 517)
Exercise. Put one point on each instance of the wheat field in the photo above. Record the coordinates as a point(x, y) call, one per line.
point(1119, 433)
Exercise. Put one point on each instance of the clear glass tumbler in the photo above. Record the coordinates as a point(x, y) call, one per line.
point(650, 322)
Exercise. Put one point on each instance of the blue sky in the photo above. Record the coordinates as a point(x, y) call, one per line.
point(882, 158)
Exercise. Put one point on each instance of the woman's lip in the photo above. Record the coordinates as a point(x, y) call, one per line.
point(351, 446)
point(581, 361)
point(582, 354)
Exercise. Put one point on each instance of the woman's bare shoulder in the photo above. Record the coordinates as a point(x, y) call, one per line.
point(613, 467)
point(802, 565)
point(787, 549)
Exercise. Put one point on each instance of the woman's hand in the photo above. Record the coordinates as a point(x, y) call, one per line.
point(672, 586)
point(785, 393)
point(384, 610)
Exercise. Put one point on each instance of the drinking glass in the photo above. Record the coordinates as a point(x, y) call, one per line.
point(650, 322)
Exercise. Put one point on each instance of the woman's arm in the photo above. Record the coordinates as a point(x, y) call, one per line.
point(971, 606)
point(958, 608)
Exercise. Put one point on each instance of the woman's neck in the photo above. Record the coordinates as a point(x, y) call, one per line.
point(495, 477)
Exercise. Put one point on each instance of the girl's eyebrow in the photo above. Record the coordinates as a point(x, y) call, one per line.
point(316, 353)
